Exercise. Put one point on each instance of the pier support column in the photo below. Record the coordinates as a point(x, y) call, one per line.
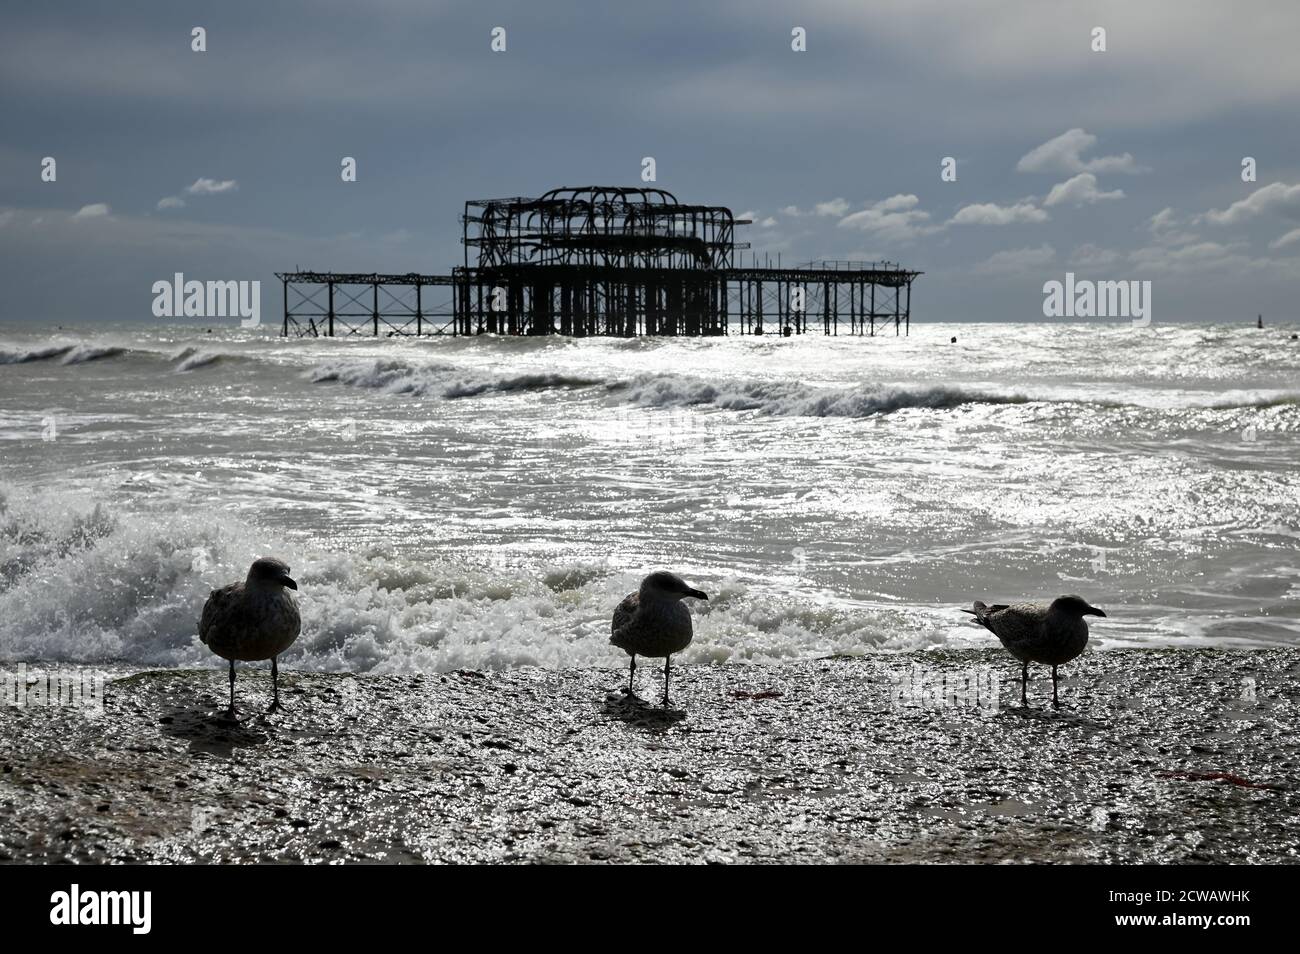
point(907, 313)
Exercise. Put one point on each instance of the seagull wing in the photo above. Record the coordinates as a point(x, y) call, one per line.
point(624, 615)
point(1015, 625)
point(214, 624)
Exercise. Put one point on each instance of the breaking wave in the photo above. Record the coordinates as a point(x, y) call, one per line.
point(80, 354)
point(794, 399)
point(92, 585)
point(190, 359)
point(439, 380)
point(24, 355)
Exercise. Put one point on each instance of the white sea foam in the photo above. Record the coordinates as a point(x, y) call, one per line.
point(89, 585)
point(832, 495)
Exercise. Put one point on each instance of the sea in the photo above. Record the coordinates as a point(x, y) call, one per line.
point(485, 502)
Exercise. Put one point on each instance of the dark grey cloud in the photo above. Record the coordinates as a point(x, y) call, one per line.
point(1064, 155)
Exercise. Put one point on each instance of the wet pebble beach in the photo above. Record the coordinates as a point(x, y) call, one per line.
point(1166, 756)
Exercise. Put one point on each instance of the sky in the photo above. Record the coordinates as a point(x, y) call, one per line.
point(1122, 164)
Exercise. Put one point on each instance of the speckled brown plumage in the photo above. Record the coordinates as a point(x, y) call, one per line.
point(249, 624)
point(1047, 633)
point(653, 622)
point(253, 620)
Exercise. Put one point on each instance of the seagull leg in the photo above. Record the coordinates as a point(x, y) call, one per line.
point(1024, 683)
point(630, 676)
point(275, 684)
point(230, 712)
point(668, 661)
point(1056, 703)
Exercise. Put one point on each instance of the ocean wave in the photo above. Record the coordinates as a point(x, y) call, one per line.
point(1252, 399)
point(89, 585)
point(190, 359)
point(795, 399)
point(439, 380)
point(76, 353)
point(24, 355)
point(785, 398)
point(80, 354)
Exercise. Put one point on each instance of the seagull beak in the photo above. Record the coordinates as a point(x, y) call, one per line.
point(698, 594)
point(1093, 611)
point(287, 580)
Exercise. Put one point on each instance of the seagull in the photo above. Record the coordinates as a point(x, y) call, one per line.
point(253, 620)
point(1038, 632)
point(653, 622)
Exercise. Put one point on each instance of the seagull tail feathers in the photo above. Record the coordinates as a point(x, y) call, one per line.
point(981, 613)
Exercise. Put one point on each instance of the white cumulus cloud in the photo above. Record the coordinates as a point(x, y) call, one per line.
point(1290, 238)
point(894, 219)
point(212, 186)
point(96, 210)
point(1276, 198)
point(990, 213)
point(1080, 190)
point(1064, 154)
point(835, 207)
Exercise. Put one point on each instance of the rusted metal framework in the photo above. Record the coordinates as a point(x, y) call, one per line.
point(601, 260)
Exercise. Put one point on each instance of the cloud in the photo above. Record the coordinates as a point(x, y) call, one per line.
point(6, 217)
point(990, 213)
point(898, 203)
point(895, 219)
point(1163, 221)
point(96, 210)
point(1080, 190)
point(1290, 238)
point(1197, 257)
point(767, 223)
point(1276, 198)
point(1168, 228)
point(171, 202)
point(212, 186)
point(835, 207)
point(1012, 261)
point(792, 211)
point(1064, 154)
point(1088, 255)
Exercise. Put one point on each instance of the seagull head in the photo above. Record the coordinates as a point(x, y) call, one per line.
point(1075, 606)
point(268, 571)
point(663, 585)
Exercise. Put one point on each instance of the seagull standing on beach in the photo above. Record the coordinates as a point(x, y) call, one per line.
point(653, 622)
point(253, 620)
point(1050, 634)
